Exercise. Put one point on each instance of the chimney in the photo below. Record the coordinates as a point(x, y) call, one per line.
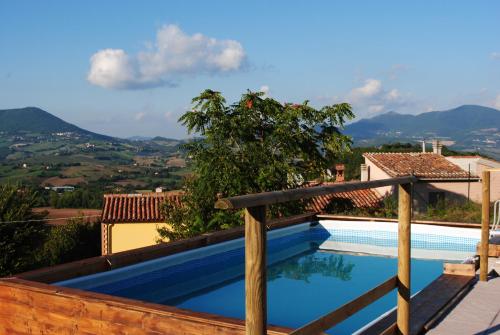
point(436, 147)
point(423, 146)
point(339, 168)
point(365, 172)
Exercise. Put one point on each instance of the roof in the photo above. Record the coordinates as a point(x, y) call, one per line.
point(366, 198)
point(136, 208)
point(422, 165)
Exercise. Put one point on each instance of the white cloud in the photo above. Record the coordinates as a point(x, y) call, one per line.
point(374, 109)
point(139, 116)
point(265, 89)
point(112, 68)
point(371, 88)
point(173, 55)
point(495, 55)
point(393, 95)
point(372, 98)
point(496, 104)
point(168, 115)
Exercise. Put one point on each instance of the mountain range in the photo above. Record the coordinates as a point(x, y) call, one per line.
point(468, 127)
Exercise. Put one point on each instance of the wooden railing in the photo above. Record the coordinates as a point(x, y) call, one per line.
point(333, 318)
point(485, 225)
point(255, 254)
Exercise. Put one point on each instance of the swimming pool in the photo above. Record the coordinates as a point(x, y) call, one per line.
point(312, 269)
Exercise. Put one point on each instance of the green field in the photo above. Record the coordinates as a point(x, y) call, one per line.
point(111, 165)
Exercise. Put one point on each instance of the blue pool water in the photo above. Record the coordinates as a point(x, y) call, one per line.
point(304, 282)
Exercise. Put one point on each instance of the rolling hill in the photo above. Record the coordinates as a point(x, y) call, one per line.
point(40, 149)
point(36, 120)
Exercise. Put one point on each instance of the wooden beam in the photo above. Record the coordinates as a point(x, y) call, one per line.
point(485, 227)
point(493, 249)
point(269, 198)
point(459, 269)
point(333, 318)
point(391, 330)
point(404, 260)
point(33, 308)
point(255, 271)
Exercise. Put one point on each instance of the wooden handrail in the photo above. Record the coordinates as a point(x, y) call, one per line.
point(404, 258)
point(333, 318)
point(275, 197)
point(485, 227)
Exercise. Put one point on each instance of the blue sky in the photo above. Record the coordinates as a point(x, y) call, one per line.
point(128, 68)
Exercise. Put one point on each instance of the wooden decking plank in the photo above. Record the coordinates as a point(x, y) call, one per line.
point(425, 304)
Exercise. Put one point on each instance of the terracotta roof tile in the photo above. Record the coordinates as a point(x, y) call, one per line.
point(143, 207)
point(366, 198)
point(422, 165)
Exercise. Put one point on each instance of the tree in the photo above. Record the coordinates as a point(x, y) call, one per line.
point(74, 240)
point(256, 144)
point(19, 236)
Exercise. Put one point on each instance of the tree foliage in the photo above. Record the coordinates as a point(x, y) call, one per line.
point(18, 236)
point(74, 240)
point(256, 144)
point(304, 267)
point(79, 198)
point(26, 242)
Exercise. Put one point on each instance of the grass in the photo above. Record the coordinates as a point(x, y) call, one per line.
point(100, 166)
point(448, 211)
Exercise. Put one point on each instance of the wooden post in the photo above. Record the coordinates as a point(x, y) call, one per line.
point(255, 271)
point(404, 260)
point(485, 228)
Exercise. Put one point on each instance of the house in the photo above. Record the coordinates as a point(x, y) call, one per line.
point(131, 221)
point(60, 189)
point(477, 164)
point(448, 178)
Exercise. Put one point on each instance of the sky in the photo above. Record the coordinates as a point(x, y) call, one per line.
point(128, 68)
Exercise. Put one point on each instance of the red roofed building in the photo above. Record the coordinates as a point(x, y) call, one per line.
point(447, 178)
point(131, 221)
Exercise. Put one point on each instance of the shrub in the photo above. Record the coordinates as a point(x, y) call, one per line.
point(20, 236)
point(452, 211)
point(73, 241)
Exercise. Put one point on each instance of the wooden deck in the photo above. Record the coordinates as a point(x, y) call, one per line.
point(425, 305)
point(478, 312)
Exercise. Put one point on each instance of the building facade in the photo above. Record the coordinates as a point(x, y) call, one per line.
point(131, 221)
point(455, 178)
